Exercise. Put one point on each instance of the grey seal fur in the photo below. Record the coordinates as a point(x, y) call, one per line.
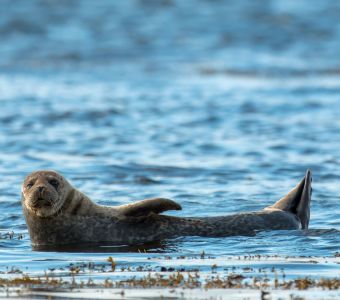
point(58, 214)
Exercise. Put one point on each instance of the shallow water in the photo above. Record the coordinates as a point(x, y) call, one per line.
point(221, 106)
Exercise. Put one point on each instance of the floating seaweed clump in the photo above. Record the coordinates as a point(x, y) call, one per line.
point(11, 235)
point(174, 280)
point(264, 277)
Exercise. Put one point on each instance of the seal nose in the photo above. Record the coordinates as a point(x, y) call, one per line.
point(41, 189)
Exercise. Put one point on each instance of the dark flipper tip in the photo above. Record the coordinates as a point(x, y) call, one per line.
point(303, 207)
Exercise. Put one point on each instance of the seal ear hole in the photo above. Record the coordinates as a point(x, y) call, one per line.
point(54, 183)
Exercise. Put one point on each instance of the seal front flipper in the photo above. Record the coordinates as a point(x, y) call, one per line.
point(297, 201)
point(147, 206)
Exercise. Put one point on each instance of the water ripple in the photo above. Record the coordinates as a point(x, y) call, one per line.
point(220, 106)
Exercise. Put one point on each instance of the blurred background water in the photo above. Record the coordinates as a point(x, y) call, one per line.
point(219, 105)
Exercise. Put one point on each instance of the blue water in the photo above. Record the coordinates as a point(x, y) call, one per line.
point(219, 105)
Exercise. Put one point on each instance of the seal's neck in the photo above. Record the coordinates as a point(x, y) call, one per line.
point(68, 200)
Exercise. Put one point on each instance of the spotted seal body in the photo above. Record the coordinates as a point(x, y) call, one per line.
point(58, 214)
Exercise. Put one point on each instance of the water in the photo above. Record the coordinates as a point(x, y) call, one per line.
point(219, 105)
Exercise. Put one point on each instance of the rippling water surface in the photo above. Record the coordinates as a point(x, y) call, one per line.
point(219, 105)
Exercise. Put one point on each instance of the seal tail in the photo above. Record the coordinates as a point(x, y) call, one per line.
point(297, 201)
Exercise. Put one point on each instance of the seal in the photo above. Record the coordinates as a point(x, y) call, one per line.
point(58, 214)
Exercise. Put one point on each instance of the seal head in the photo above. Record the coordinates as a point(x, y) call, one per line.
point(44, 192)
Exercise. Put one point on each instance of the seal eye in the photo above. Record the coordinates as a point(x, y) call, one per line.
point(29, 185)
point(54, 183)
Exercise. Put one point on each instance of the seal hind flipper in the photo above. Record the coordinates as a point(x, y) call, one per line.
point(147, 206)
point(298, 200)
point(303, 208)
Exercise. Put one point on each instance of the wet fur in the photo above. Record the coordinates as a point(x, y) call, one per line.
point(76, 219)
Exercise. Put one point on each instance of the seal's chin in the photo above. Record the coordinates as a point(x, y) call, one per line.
point(41, 207)
point(40, 203)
